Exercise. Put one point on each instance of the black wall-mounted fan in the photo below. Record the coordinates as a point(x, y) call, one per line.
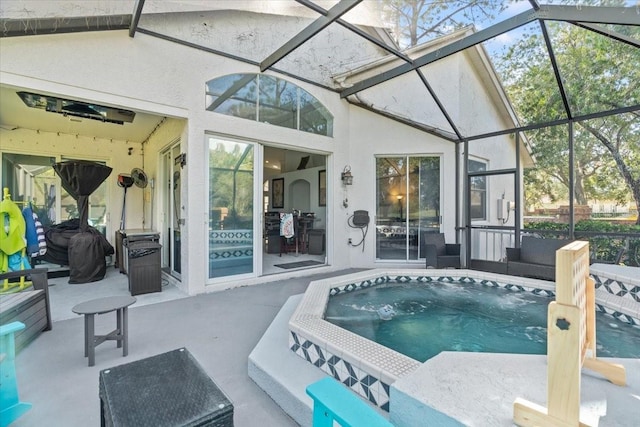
point(139, 177)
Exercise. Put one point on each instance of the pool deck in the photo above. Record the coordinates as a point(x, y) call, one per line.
point(220, 329)
point(621, 273)
point(478, 389)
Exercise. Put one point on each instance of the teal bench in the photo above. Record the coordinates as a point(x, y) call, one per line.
point(332, 401)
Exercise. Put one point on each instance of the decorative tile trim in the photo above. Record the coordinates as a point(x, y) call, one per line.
point(369, 368)
point(230, 244)
point(366, 385)
point(617, 287)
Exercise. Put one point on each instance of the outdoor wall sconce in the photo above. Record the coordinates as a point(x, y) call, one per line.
point(347, 178)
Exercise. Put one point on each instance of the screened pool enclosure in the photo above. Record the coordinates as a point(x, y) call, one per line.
point(566, 78)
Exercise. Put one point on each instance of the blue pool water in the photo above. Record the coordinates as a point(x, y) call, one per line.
point(422, 319)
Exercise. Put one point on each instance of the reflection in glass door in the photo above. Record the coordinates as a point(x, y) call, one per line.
point(32, 180)
point(170, 218)
point(407, 205)
point(231, 234)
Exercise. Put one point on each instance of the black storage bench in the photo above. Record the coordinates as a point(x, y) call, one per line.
point(30, 306)
point(170, 389)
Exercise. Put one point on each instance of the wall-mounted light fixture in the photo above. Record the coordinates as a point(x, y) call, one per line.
point(347, 178)
point(400, 197)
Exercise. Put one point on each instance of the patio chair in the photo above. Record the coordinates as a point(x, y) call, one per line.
point(439, 254)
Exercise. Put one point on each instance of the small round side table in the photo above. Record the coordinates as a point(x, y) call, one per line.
point(104, 305)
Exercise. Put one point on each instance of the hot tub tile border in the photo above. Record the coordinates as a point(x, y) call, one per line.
point(318, 341)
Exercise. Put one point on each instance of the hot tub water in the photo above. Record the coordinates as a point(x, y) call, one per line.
point(422, 319)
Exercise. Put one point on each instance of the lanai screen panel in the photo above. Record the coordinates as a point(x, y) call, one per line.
point(598, 73)
point(468, 97)
point(549, 175)
point(486, 84)
point(330, 53)
point(246, 34)
point(525, 69)
point(406, 97)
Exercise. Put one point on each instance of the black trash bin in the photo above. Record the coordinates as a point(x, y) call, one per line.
point(143, 267)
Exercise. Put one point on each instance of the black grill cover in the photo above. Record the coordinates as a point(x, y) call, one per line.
point(86, 258)
point(81, 178)
point(85, 247)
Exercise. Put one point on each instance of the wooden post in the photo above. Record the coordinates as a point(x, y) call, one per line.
point(571, 343)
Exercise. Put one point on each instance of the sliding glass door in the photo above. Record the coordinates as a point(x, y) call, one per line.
point(407, 205)
point(231, 199)
point(170, 219)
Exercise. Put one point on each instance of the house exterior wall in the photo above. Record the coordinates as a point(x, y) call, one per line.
point(372, 136)
point(156, 76)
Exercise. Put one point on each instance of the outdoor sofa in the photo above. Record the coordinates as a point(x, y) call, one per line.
point(536, 258)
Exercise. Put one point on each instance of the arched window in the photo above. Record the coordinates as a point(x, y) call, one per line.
point(268, 99)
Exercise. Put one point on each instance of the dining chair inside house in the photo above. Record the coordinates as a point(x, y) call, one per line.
point(288, 233)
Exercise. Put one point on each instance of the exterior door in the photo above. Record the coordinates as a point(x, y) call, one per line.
point(231, 207)
point(170, 220)
point(407, 205)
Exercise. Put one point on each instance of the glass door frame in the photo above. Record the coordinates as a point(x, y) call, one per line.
point(167, 202)
point(405, 202)
point(257, 221)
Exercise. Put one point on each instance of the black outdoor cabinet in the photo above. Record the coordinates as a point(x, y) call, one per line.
point(143, 267)
point(272, 232)
point(125, 237)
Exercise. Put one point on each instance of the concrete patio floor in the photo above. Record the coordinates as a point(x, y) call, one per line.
point(220, 329)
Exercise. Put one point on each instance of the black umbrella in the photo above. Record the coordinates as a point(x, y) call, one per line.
point(81, 178)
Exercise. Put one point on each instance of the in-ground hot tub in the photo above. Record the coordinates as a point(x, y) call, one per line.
point(369, 368)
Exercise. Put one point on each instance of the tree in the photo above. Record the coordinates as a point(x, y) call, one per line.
point(416, 21)
point(598, 74)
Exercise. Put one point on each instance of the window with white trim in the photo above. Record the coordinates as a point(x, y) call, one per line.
point(478, 189)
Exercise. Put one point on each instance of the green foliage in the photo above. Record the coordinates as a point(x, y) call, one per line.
point(603, 247)
point(597, 74)
point(606, 227)
point(546, 225)
point(231, 178)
